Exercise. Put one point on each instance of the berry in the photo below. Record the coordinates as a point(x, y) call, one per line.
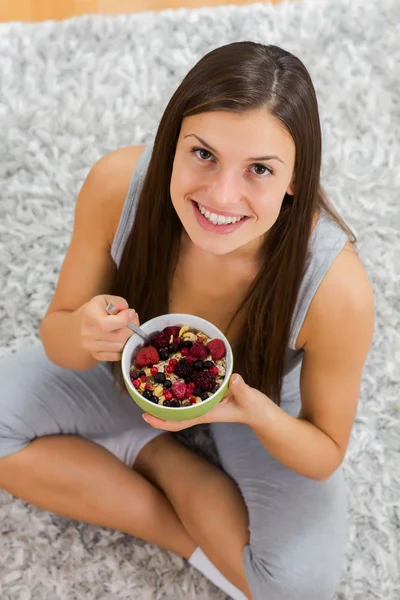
point(136, 383)
point(204, 396)
point(208, 364)
point(170, 369)
point(159, 377)
point(168, 396)
point(177, 340)
point(173, 348)
point(134, 375)
point(175, 404)
point(198, 365)
point(199, 350)
point(191, 384)
point(179, 390)
point(161, 340)
point(147, 386)
point(204, 379)
point(183, 370)
point(192, 399)
point(142, 373)
point(143, 378)
point(154, 370)
point(167, 384)
point(148, 395)
point(147, 356)
point(197, 391)
point(214, 370)
point(187, 344)
point(190, 359)
point(216, 348)
point(166, 403)
point(173, 330)
point(188, 394)
point(164, 353)
point(185, 351)
point(173, 361)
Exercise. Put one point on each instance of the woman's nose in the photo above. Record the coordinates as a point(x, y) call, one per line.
point(225, 190)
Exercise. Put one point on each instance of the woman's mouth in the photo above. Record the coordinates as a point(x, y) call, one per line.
point(217, 223)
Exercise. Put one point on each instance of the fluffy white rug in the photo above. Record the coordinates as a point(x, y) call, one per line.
point(72, 91)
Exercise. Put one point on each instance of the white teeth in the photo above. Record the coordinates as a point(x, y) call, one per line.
point(218, 219)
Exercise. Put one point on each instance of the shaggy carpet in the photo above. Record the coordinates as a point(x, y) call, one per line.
point(72, 91)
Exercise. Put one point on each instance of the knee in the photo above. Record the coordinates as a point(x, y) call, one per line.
point(304, 581)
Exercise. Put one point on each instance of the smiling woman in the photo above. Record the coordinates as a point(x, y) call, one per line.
point(240, 136)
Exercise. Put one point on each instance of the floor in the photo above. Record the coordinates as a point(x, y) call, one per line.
point(40, 10)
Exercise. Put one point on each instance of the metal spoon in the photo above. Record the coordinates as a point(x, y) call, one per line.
point(112, 310)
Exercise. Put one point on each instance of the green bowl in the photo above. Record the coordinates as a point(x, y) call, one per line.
point(166, 412)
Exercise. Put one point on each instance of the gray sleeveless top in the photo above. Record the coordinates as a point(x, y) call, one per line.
point(326, 241)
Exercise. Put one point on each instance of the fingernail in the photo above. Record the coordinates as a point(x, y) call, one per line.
point(132, 313)
point(235, 379)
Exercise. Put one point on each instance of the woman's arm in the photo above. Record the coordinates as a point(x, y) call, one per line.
point(337, 335)
point(88, 268)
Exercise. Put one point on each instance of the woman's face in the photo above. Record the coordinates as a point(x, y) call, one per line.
point(240, 170)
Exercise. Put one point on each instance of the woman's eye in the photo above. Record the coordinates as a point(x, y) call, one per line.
point(195, 150)
point(265, 169)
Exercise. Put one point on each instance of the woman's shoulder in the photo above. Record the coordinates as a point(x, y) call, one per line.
point(343, 297)
point(111, 177)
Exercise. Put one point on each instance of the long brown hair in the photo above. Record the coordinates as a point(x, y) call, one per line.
point(237, 77)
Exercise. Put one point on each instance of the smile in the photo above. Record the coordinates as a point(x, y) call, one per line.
point(219, 219)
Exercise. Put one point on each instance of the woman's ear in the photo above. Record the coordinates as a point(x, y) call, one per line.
point(291, 189)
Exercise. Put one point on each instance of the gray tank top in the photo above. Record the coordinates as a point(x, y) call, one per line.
point(326, 241)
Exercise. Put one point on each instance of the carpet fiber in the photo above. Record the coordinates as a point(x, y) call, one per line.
point(72, 91)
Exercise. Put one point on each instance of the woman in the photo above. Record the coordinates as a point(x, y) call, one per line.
point(239, 141)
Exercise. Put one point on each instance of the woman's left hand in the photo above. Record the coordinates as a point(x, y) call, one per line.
point(237, 406)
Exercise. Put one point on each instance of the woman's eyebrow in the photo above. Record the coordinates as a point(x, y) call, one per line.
point(204, 143)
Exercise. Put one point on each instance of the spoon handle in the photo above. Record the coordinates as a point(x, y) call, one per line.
point(112, 310)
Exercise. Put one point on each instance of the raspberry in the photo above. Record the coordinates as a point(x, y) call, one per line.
point(183, 370)
point(174, 330)
point(198, 350)
point(204, 379)
point(147, 356)
point(161, 340)
point(217, 349)
point(179, 390)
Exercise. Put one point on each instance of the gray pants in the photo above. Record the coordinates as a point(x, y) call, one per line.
point(298, 526)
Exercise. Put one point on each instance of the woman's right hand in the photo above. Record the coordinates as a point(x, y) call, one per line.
point(104, 335)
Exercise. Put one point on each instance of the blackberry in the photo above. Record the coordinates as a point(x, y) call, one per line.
point(175, 403)
point(187, 344)
point(208, 364)
point(204, 380)
point(159, 377)
point(197, 392)
point(198, 365)
point(161, 340)
point(183, 370)
point(167, 384)
point(163, 353)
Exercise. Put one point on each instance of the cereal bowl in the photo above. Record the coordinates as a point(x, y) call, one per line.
point(135, 343)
